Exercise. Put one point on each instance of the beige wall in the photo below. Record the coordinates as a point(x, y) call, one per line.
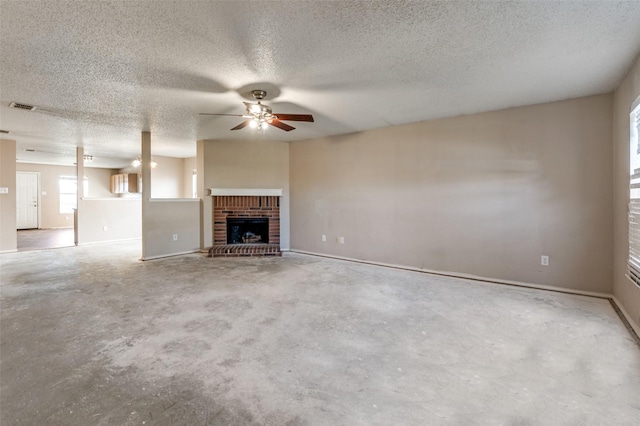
point(163, 219)
point(8, 236)
point(109, 219)
point(99, 182)
point(624, 291)
point(50, 216)
point(189, 165)
point(485, 194)
point(167, 179)
point(250, 164)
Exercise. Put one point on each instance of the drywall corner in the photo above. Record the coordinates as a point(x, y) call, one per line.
point(8, 236)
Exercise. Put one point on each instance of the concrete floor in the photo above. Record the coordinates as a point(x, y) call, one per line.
point(92, 336)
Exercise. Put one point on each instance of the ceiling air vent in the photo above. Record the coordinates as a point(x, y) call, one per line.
point(21, 106)
point(6, 132)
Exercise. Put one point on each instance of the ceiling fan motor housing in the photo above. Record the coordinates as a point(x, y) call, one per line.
point(260, 116)
point(259, 94)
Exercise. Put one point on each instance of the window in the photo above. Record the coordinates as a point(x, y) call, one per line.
point(634, 198)
point(194, 184)
point(68, 189)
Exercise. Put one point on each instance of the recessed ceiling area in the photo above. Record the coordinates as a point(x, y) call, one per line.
point(100, 73)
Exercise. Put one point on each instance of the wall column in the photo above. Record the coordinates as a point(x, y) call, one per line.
point(79, 193)
point(206, 201)
point(8, 231)
point(145, 168)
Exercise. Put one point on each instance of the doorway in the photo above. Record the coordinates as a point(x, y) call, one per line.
point(27, 184)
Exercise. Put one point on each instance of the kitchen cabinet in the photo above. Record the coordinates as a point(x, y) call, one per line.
point(125, 183)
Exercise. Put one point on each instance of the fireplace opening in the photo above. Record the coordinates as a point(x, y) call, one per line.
point(248, 231)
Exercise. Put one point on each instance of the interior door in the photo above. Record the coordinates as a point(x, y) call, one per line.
point(26, 200)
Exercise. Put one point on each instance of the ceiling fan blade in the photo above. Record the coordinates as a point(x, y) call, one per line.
point(280, 125)
point(295, 117)
point(230, 115)
point(242, 125)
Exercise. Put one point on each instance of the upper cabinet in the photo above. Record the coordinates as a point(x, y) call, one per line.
point(124, 183)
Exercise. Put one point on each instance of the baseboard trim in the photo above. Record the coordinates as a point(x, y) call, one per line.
point(626, 319)
point(163, 256)
point(9, 251)
point(90, 243)
point(632, 327)
point(54, 227)
point(464, 276)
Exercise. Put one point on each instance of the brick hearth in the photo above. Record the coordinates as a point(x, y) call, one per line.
point(237, 206)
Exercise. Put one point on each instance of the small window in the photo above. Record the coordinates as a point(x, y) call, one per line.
point(68, 189)
point(634, 198)
point(194, 184)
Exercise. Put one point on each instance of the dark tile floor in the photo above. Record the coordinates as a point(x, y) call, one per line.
point(38, 239)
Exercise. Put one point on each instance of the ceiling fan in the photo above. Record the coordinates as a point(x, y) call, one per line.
point(259, 116)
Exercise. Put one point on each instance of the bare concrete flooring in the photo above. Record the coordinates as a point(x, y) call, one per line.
point(92, 336)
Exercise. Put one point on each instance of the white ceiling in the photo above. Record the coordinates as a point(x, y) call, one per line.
point(102, 72)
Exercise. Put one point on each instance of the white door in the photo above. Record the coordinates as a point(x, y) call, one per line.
point(26, 200)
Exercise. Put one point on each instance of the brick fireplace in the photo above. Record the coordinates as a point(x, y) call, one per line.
point(250, 235)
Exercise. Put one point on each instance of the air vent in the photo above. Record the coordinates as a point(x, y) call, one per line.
point(6, 132)
point(22, 106)
point(30, 150)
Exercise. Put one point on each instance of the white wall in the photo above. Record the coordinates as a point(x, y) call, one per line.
point(484, 194)
point(625, 292)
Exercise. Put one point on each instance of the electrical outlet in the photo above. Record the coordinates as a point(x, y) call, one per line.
point(341, 240)
point(544, 260)
point(324, 237)
point(105, 228)
point(175, 237)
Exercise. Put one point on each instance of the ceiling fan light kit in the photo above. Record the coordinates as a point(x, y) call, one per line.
point(260, 116)
point(137, 162)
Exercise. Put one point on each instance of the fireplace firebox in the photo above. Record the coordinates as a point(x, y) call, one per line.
point(247, 231)
point(246, 225)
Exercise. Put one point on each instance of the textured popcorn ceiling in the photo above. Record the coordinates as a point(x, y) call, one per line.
point(102, 72)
